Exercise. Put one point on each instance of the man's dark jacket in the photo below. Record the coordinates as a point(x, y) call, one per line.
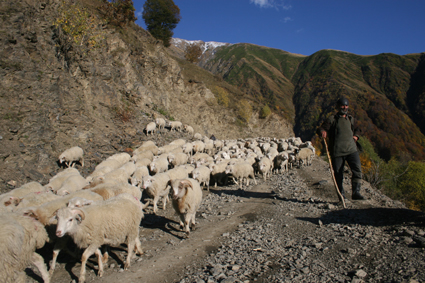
point(342, 129)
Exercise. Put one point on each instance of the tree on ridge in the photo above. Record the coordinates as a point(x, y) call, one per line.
point(161, 17)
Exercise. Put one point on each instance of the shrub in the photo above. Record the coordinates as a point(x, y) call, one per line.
point(80, 27)
point(265, 112)
point(244, 110)
point(412, 185)
point(221, 95)
point(192, 53)
point(119, 12)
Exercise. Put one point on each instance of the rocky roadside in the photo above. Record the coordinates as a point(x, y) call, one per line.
point(307, 237)
point(289, 228)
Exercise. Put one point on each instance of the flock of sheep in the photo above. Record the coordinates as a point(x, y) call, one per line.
point(105, 208)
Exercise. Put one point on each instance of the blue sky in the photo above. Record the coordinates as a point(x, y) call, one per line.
point(305, 26)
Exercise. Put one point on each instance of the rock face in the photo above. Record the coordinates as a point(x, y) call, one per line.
point(55, 94)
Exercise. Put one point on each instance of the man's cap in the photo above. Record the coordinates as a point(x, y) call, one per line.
point(342, 101)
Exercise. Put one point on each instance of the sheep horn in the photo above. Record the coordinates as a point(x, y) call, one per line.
point(186, 183)
point(80, 213)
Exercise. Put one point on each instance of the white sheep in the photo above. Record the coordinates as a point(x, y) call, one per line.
point(179, 172)
point(142, 154)
point(209, 147)
point(282, 146)
point(175, 125)
point(218, 173)
point(178, 142)
point(158, 165)
point(147, 145)
point(35, 199)
point(46, 211)
point(11, 199)
point(198, 146)
point(281, 162)
point(202, 174)
point(188, 129)
point(198, 156)
point(188, 149)
point(121, 174)
point(160, 122)
point(309, 145)
point(122, 158)
point(218, 145)
point(72, 155)
point(150, 128)
point(167, 148)
point(265, 167)
point(187, 198)
point(111, 189)
point(137, 177)
point(20, 237)
point(197, 136)
point(111, 222)
point(222, 154)
point(110, 164)
point(55, 183)
point(157, 187)
point(240, 171)
point(304, 156)
point(272, 153)
point(143, 162)
point(188, 168)
point(72, 184)
point(177, 159)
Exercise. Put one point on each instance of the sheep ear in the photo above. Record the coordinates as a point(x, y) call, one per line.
point(12, 200)
point(30, 212)
point(53, 219)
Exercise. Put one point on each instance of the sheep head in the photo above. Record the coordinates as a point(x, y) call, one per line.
point(68, 220)
point(180, 188)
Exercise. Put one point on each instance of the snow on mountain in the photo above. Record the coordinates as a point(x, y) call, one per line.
point(205, 46)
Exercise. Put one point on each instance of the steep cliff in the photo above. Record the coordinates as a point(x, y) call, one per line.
point(59, 90)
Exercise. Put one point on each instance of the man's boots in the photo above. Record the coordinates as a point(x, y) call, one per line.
point(356, 192)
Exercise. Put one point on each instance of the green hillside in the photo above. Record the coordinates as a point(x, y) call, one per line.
point(386, 91)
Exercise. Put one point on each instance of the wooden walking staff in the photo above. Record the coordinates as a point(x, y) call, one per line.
point(333, 175)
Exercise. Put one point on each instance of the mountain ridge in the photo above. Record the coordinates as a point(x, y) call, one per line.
point(303, 90)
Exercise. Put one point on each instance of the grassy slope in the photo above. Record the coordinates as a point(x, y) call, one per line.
point(384, 90)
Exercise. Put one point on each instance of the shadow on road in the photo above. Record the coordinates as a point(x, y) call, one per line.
point(372, 216)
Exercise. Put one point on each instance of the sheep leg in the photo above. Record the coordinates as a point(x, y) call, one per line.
point(98, 253)
point(105, 257)
point(193, 222)
point(155, 201)
point(186, 224)
point(130, 245)
point(86, 254)
point(60, 244)
point(182, 220)
point(234, 180)
point(138, 247)
point(53, 262)
point(38, 261)
point(164, 200)
point(253, 177)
